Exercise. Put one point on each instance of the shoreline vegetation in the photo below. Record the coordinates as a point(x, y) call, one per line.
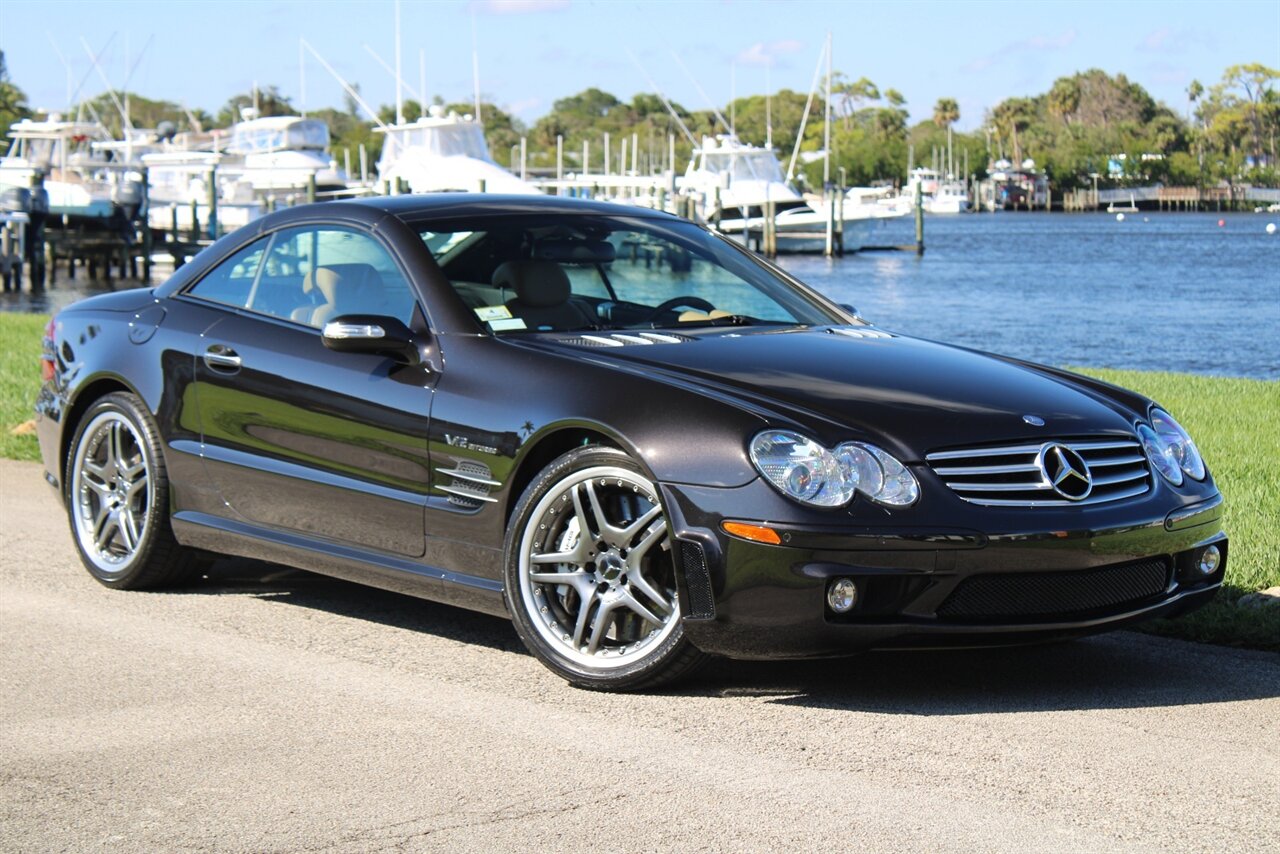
point(1228, 418)
point(1090, 130)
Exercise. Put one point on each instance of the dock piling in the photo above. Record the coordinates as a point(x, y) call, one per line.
point(211, 191)
point(919, 222)
point(145, 216)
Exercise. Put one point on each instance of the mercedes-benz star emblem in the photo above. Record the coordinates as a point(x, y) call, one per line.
point(1033, 420)
point(1066, 471)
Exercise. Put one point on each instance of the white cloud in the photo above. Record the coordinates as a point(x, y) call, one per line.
point(1034, 44)
point(525, 108)
point(518, 7)
point(767, 53)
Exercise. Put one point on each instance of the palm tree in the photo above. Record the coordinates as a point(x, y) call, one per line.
point(946, 112)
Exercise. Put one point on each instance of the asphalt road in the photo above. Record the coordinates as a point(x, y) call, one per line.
point(274, 710)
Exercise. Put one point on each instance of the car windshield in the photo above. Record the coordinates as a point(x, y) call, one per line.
point(560, 273)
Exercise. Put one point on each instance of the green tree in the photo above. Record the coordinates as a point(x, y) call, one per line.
point(269, 100)
point(849, 96)
point(13, 101)
point(946, 112)
point(143, 112)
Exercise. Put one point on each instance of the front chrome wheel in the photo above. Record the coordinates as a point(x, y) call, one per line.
point(596, 570)
point(112, 490)
point(591, 582)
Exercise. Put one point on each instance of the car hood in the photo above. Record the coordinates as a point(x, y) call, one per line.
point(909, 394)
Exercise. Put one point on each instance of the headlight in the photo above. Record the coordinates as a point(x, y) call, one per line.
point(804, 470)
point(1170, 449)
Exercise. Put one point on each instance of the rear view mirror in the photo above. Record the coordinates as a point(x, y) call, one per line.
point(375, 334)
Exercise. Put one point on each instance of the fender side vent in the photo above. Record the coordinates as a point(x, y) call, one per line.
point(697, 578)
point(470, 484)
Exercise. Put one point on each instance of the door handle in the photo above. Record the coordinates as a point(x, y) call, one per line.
point(222, 357)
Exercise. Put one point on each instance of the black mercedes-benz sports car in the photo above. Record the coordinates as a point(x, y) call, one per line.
point(638, 440)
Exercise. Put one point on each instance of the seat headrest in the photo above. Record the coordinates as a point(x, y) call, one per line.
point(332, 276)
point(536, 283)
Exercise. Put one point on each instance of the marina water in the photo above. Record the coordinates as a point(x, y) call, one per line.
point(1168, 292)
point(1164, 292)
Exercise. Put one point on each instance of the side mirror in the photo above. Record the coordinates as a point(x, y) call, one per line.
point(851, 310)
point(375, 334)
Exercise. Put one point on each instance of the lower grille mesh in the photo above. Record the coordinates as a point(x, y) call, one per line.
point(1055, 594)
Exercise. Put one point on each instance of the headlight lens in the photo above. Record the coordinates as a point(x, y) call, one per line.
point(1161, 455)
point(1170, 448)
point(1179, 441)
point(804, 470)
point(900, 487)
point(801, 469)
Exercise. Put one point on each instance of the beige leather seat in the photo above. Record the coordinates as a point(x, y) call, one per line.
point(542, 298)
point(344, 289)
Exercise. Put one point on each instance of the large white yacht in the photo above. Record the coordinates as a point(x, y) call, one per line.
point(441, 152)
point(747, 177)
point(282, 153)
point(80, 183)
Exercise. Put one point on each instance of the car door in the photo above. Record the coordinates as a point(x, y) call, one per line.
point(297, 437)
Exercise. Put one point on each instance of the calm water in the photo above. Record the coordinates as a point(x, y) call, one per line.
point(1167, 291)
point(1172, 291)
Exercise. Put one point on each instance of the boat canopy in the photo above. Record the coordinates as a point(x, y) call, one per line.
point(264, 135)
point(744, 164)
point(442, 138)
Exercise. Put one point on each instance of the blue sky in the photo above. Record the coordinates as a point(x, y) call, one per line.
point(533, 51)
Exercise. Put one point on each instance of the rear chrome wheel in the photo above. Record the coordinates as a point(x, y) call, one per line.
point(117, 494)
point(591, 580)
point(112, 492)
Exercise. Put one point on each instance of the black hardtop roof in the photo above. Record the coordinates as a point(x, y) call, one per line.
point(490, 204)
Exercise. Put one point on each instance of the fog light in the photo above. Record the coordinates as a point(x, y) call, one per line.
point(1210, 560)
point(842, 595)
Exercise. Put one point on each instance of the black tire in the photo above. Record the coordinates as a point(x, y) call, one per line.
point(607, 584)
point(117, 494)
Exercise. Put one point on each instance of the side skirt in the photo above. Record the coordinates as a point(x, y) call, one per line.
point(231, 537)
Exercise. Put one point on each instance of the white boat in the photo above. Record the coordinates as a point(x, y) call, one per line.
point(177, 172)
point(82, 185)
point(275, 153)
point(443, 152)
point(1132, 207)
point(938, 194)
point(747, 177)
point(744, 176)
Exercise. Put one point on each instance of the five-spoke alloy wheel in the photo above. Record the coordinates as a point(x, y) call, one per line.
point(118, 494)
point(590, 577)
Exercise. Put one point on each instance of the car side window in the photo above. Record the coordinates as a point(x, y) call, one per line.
point(313, 274)
point(231, 282)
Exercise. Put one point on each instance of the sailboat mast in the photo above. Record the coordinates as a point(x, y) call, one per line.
point(302, 78)
point(399, 88)
point(475, 64)
point(733, 98)
point(826, 130)
point(768, 109)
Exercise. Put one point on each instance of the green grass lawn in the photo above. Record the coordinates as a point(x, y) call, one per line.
point(20, 336)
point(1236, 424)
point(1234, 421)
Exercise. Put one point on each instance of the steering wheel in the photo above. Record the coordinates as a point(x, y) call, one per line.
point(675, 302)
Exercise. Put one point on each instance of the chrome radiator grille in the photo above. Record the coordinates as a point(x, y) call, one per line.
point(1017, 475)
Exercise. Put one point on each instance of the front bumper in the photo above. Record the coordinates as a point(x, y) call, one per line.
point(751, 600)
